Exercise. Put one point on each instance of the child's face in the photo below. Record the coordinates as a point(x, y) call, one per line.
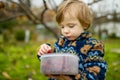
point(71, 27)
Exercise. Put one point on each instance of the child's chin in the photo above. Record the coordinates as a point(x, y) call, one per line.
point(71, 39)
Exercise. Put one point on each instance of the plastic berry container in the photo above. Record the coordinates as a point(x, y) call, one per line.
point(59, 63)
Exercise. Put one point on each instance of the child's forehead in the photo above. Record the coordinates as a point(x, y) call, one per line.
point(69, 21)
point(69, 15)
point(72, 10)
point(69, 18)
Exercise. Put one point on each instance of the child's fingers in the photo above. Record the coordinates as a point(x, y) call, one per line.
point(38, 51)
point(42, 51)
point(45, 48)
point(77, 76)
point(65, 77)
point(49, 49)
point(39, 54)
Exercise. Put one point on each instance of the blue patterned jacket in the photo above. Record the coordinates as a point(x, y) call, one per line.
point(90, 52)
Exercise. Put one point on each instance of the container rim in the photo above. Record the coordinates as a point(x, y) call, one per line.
point(59, 54)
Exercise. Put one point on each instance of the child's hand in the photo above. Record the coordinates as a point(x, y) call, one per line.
point(44, 49)
point(77, 77)
point(63, 77)
point(59, 77)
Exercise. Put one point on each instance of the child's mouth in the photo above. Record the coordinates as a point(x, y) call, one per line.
point(68, 36)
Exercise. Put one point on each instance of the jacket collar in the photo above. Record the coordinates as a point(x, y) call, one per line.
point(84, 35)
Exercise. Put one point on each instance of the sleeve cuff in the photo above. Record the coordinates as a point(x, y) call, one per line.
point(38, 57)
point(48, 44)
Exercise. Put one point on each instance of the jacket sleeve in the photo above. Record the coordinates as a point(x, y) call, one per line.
point(94, 65)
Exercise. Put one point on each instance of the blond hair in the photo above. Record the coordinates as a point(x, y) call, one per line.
point(81, 10)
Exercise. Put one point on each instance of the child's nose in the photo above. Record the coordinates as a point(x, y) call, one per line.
point(66, 31)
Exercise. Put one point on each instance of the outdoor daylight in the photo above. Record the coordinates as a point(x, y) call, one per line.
point(59, 39)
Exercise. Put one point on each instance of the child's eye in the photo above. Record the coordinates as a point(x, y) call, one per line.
point(71, 26)
point(62, 26)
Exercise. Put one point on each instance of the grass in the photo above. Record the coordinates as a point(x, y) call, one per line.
point(18, 61)
point(113, 59)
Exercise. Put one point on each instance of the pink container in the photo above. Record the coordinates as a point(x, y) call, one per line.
point(57, 63)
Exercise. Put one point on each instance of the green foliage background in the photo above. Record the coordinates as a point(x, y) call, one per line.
point(19, 61)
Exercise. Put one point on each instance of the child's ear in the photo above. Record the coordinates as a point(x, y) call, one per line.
point(86, 26)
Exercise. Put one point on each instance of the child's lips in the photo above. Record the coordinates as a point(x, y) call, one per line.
point(68, 36)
